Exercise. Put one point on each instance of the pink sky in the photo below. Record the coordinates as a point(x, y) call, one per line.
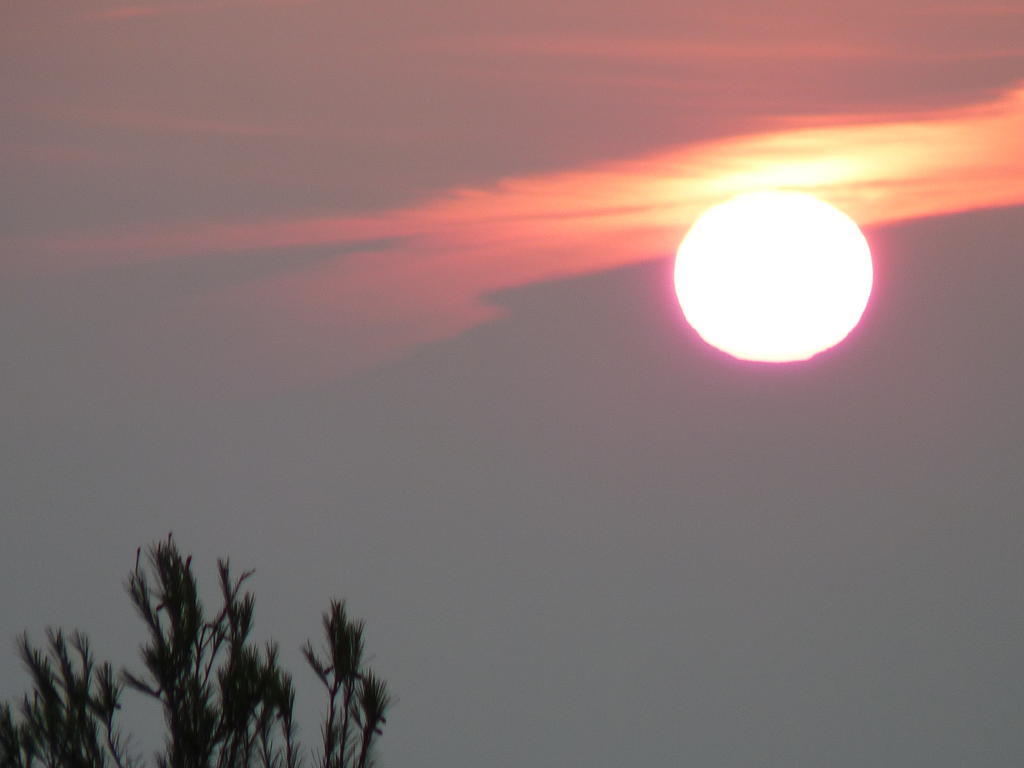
point(376, 297)
point(488, 148)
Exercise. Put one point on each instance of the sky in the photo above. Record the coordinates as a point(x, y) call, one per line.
point(377, 299)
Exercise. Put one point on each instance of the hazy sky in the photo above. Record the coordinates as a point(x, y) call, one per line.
point(376, 298)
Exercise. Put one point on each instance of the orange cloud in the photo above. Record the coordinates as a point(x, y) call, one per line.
point(647, 49)
point(728, 49)
point(460, 246)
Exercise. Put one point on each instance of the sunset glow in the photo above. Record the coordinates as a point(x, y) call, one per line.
point(648, 374)
point(470, 242)
point(773, 276)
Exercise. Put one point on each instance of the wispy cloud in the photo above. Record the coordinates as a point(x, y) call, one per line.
point(49, 155)
point(736, 49)
point(129, 12)
point(132, 11)
point(169, 123)
point(655, 49)
point(972, 9)
point(454, 250)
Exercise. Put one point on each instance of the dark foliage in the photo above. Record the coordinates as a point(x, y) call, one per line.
point(227, 702)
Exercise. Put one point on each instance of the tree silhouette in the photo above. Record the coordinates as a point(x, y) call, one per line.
point(226, 701)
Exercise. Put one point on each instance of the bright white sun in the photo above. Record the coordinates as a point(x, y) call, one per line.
point(773, 276)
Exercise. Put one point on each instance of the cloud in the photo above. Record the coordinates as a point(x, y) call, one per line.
point(140, 11)
point(652, 49)
point(167, 123)
point(130, 12)
point(972, 9)
point(448, 253)
point(728, 49)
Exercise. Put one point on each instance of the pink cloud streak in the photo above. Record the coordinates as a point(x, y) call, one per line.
point(457, 248)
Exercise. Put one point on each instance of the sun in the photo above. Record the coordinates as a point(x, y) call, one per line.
point(773, 276)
